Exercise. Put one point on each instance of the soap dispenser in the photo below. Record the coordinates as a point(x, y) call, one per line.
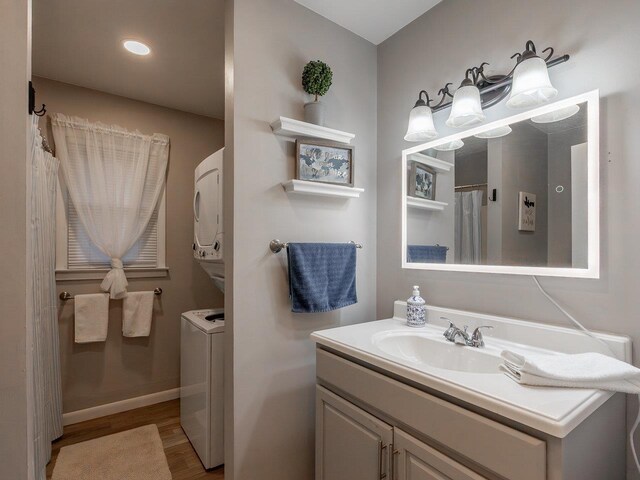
point(416, 311)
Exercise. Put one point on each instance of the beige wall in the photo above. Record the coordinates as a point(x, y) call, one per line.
point(560, 208)
point(274, 364)
point(15, 67)
point(523, 155)
point(99, 373)
point(458, 34)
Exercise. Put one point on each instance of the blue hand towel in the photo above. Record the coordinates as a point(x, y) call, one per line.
point(322, 276)
point(426, 254)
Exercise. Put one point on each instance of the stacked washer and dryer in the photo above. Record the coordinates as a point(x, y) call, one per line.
point(202, 331)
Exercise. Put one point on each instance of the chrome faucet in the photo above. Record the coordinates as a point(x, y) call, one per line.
point(461, 337)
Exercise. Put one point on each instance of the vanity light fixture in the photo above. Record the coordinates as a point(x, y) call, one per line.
point(450, 146)
point(466, 109)
point(531, 83)
point(421, 127)
point(527, 84)
point(557, 115)
point(495, 132)
point(137, 48)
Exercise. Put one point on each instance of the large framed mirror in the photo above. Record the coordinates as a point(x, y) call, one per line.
point(515, 196)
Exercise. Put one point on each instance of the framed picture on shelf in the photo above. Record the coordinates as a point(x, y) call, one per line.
point(526, 212)
point(324, 162)
point(422, 181)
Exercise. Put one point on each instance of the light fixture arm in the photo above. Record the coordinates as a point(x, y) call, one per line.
point(493, 88)
point(443, 92)
point(444, 95)
point(476, 74)
point(421, 102)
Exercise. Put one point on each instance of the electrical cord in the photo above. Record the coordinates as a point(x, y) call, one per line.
point(589, 333)
point(584, 329)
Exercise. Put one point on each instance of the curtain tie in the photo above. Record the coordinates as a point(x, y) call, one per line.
point(116, 281)
point(116, 263)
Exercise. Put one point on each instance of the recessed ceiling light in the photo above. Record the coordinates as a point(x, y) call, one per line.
point(137, 48)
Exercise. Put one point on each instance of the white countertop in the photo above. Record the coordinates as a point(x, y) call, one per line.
point(555, 411)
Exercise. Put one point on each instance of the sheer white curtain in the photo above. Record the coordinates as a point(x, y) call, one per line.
point(114, 178)
point(468, 227)
point(46, 391)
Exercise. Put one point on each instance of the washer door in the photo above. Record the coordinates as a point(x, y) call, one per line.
point(206, 208)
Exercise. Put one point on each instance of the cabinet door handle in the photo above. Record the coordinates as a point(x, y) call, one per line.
point(381, 448)
point(393, 453)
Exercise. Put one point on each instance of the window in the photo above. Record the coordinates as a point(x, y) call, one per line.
point(78, 258)
point(117, 178)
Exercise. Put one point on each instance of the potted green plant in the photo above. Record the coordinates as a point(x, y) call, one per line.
point(316, 80)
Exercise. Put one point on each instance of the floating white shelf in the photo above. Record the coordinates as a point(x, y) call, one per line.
point(436, 164)
point(292, 129)
point(323, 189)
point(425, 204)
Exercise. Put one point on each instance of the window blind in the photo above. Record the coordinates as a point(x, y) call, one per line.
point(82, 254)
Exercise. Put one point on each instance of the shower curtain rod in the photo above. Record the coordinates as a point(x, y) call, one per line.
point(473, 185)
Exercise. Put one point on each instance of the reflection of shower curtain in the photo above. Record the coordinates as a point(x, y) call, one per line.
point(46, 391)
point(468, 227)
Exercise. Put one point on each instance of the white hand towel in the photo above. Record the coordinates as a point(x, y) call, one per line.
point(583, 370)
point(91, 317)
point(137, 311)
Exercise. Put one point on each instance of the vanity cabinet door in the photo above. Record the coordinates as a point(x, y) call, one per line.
point(350, 443)
point(415, 460)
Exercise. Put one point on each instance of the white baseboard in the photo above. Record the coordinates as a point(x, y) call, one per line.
point(120, 406)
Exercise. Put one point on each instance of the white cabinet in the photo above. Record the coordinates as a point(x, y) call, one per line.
point(363, 416)
point(351, 444)
point(415, 460)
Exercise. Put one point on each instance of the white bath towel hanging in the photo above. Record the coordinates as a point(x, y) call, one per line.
point(91, 317)
point(137, 312)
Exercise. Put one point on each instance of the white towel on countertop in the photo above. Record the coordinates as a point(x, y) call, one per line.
point(91, 317)
point(137, 311)
point(582, 370)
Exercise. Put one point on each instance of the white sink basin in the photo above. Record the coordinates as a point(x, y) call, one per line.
point(424, 357)
point(429, 350)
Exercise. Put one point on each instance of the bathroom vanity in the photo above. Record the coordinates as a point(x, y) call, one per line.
point(402, 403)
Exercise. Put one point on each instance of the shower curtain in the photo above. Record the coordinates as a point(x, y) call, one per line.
point(46, 388)
point(468, 227)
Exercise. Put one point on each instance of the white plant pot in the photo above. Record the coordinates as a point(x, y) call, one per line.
point(314, 113)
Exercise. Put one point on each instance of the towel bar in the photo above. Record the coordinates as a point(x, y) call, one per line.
point(276, 245)
point(64, 296)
